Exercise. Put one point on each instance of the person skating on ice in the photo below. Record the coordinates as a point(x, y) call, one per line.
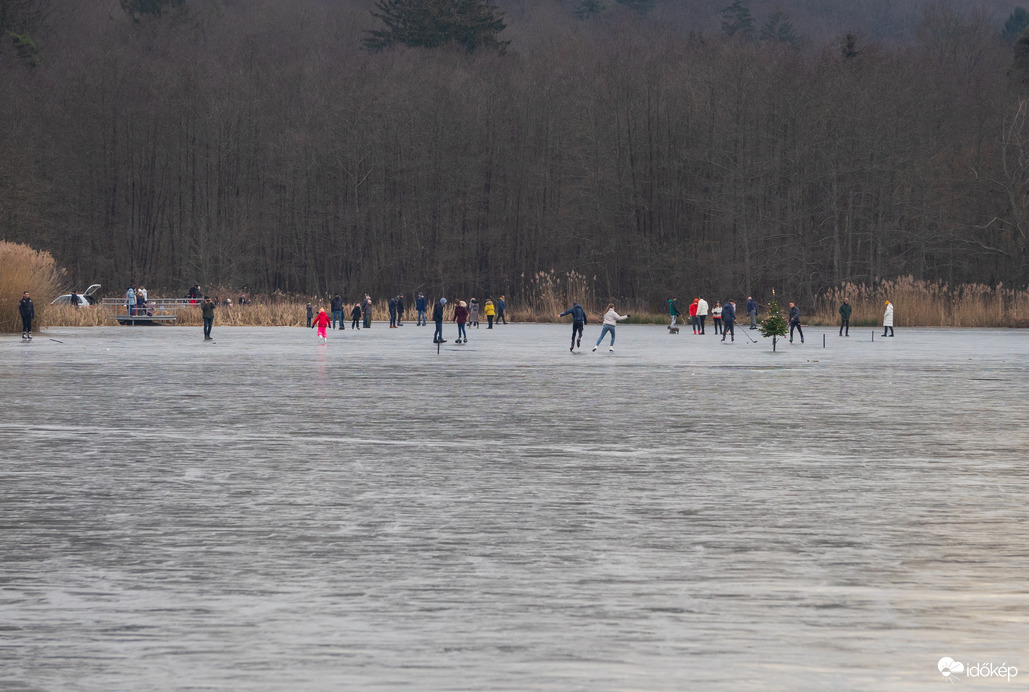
point(693, 315)
point(501, 307)
point(392, 312)
point(437, 317)
point(337, 311)
point(845, 311)
point(322, 322)
point(355, 316)
point(489, 311)
point(752, 311)
point(716, 317)
point(611, 318)
point(461, 317)
point(310, 315)
point(888, 318)
point(702, 314)
point(729, 321)
point(578, 322)
point(795, 322)
point(28, 313)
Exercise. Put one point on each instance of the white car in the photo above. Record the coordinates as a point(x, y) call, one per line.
point(87, 297)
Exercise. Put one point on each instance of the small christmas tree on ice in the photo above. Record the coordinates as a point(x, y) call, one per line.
point(775, 324)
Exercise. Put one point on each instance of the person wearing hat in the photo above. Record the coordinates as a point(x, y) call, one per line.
point(888, 318)
point(355, 317)
point(693, 315)
point(489, 311)
point(337, 311)
point(578, 322)
point(322, 321)
point(310, 315)
point(366, 309)
point(473, 313)
point(400, 310)
point(845, 311)
point(437, 317)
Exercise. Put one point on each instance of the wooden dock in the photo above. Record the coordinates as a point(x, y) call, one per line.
point(156, 311)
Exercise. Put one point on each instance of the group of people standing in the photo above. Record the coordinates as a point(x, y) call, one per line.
point(723, 317)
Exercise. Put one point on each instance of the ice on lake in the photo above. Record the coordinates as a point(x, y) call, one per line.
point(265, 512)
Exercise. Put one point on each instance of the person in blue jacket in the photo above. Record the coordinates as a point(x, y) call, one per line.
point(578, 322)
point(420, 305)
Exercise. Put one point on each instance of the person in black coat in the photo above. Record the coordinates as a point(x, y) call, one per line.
point(795, 322)
point(355, 316)
point(729, 320)
point(437, 317)
point(400, 310)
point(337, 311)
point(28, 312)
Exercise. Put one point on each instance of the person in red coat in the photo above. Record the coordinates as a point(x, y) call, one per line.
point(693, 314)
point(321, 321)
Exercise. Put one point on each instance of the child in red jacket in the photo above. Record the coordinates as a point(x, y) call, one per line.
point(321, 321)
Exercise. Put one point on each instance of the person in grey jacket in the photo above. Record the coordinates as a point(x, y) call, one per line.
point(752, 312)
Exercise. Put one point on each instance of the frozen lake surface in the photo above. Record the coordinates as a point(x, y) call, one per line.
point(268, 513)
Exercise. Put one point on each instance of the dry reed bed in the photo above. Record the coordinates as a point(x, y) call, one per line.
point(24, 269)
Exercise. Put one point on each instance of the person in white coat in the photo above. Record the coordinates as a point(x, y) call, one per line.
point(888, 318)
point(611, 318)
point(702, 307)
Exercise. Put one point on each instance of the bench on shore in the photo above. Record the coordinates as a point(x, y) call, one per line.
point(156, 310)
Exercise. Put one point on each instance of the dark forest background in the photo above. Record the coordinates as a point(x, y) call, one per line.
point(259, 144)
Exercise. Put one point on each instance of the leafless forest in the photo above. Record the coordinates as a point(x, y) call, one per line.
point(259, 144)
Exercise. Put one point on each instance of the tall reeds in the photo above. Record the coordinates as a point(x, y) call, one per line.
point(24, 269)
point(926, 304)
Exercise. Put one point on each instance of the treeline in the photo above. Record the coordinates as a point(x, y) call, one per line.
point(259, 144)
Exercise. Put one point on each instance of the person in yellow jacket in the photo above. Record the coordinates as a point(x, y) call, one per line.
point(489, 311)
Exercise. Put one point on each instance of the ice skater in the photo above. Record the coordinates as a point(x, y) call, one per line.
point(716, 317)
point(28, 313)
point(729, 321)
point(400, 310)
point(355, 316)
point(437, 317)
point(752, 312)
point(693, 314)
point(489, 311)
point(888, 318)
point(366, 311)
point(501, 307)
point(578, 322)
point(322, 322)
point(337, 311)
point(611, 318)
point(461, 317)
point(845, 311)
point(310, 315)
point(795, 322)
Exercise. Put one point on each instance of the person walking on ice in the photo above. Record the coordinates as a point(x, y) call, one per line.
point(489, 311)
point(420, 306)
point(716, 317)
point(702, 314)
point(888, 318)
point(795, 322)
point(321, 321)
point(845, 311)
point(28, 312)
point(611, 318)
point(673, 310)
point(578, 322)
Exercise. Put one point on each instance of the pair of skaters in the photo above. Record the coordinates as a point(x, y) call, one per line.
point(845, 312)
point(611, 318)
point(461, 314)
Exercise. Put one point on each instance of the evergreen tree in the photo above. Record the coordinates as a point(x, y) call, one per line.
point(737, 21)
point(1015, 24)
point(471, 24)
point(778, 27)
point(775, 324)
